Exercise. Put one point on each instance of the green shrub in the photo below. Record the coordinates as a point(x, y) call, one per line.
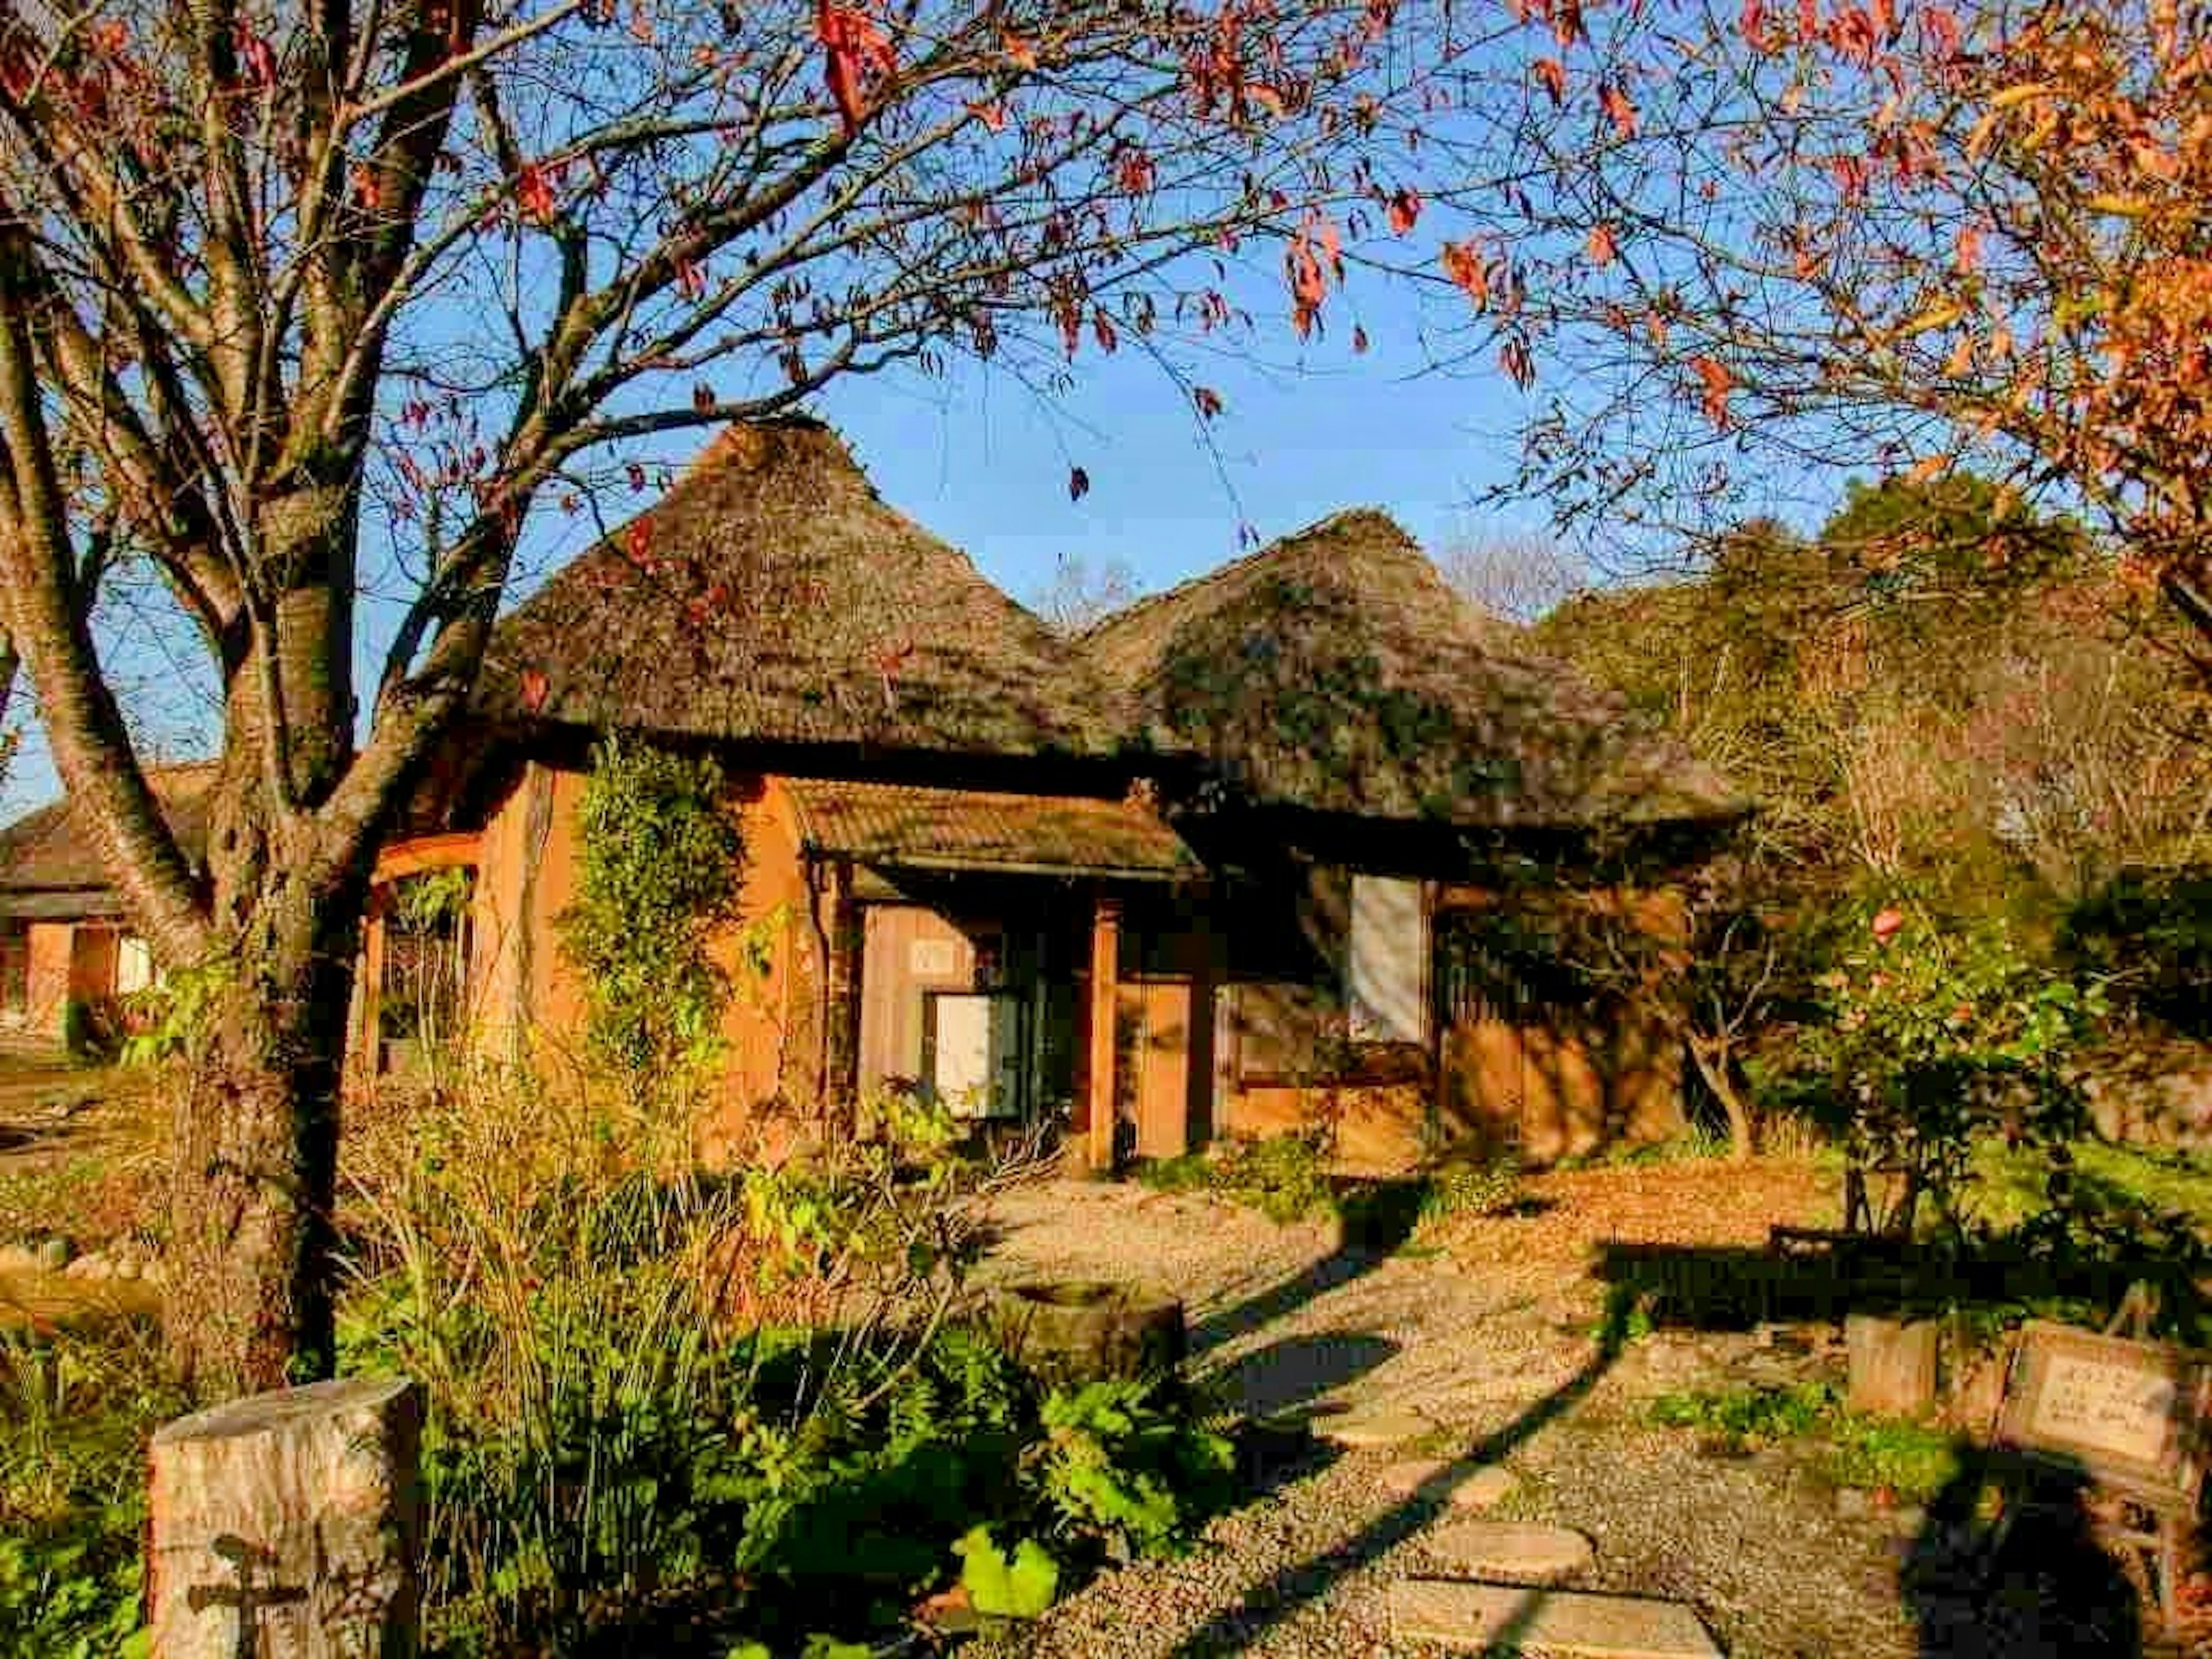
point(1909, 1460)
point(724, 1396)
point(77, 1411)
point(1465, 1187)
point(659, 875)
point(1284, 1176)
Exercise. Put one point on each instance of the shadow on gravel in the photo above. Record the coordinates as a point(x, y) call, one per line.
point(1263, 1605)
point(2035, 1580)
point(1378, 1217)
point(1296, 1371)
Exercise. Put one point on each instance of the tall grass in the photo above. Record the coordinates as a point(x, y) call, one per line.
point(590, 1316)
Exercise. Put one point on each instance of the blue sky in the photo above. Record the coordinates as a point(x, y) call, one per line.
point(1308, 429)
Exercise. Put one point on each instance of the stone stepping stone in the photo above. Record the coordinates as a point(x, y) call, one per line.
point(1556, 1623)
point(1360, 1431)
point(1464, 1486)
point(1514, 1549)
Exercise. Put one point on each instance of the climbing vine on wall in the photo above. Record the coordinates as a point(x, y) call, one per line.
point(659, 864)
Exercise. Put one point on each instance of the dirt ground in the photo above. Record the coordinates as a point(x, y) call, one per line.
point(1484, 1336)
point(77, 1158)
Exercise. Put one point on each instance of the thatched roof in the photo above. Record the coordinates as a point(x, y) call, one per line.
point(922, 828)
point(50, 865)
point(771, 596)
point(1336, 671)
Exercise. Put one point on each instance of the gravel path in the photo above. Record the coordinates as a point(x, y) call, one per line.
point(1491, 1342)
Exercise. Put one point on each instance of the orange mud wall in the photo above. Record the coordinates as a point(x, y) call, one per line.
point(1554, 1083)
point(1560, 1080)
point(530, 1004)
point(52, 947)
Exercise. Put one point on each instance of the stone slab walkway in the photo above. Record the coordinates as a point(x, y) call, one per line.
point(1555, 1624)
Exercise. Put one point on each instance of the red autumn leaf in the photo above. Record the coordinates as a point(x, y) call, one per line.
point(1969, 249)
point(635, 471)
point(1567, 22)
point(1133, 171)
point(533, 191)
point(1886, 923)
point(1513, 357)
point(1713, 377)
point(1102, 330)
point(255, 57)
point(1753, 24)
point(1620, 109)
point(992, 113)
point(535, 690)
point(861, 59)
point(702, 397)
point(1808, 18)
point(1358, 338)
point(637, 542)
point(1404, 211)
point(1078, 483)
point(690, 278)
point(1465, 266)
point(1602, 249)
point(1020, 52)
point(1309, 284)
point(366, 192)
point(1552, 75)
point(1208, 400)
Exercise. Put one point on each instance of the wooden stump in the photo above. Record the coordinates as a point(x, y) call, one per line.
point(1078, 1330)
point(1893, 1364)
point(290, 1525)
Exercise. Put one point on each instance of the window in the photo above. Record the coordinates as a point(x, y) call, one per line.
point(134, 965)
point(1386, 962)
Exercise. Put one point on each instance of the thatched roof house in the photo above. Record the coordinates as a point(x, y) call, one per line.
point(50, 865)
point(771, 597)
point(1335, 672)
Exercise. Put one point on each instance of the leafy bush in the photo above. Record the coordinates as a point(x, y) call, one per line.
point(658, 874)
point(1934, 1037)
point(1468, 1187)
point(77, 1411)
point(741, 1398)
point(1908, 1459)
point(1284, 1176)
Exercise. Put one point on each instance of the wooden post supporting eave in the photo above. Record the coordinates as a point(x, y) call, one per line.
point(841, 981)
point(1103, 982)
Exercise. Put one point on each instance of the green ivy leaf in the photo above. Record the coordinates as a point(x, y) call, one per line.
point(1021, 1588)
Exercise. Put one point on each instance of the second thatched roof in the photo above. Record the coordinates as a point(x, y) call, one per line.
point(772, 597)
point(51, 868)
point(1335, 671)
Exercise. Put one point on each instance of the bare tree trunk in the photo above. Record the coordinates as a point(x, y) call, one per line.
point(255, 1162)
point(254, 1142)
point(1712, 1061)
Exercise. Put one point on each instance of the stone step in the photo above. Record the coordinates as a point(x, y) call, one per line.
point(1513, 1549)
point(1358, 1430)
point(1555, 1624)
point(1464, 1486)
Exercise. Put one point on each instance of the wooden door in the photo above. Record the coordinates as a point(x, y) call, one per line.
point(1152, 1063)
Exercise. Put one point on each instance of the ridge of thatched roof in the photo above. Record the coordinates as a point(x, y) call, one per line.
point(1336, 671)
point(49, 862)
point(772, 596)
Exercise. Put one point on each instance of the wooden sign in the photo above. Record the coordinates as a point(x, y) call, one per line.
point(2133, 1415)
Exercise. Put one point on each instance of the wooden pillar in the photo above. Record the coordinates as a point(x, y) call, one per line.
point(840, 1084)
point(289, 1522)
point(368, 992)
point(1103, 988)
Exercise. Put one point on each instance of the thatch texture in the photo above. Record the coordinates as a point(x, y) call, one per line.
point(1335, 671)
point(771, 596)
point(50, 865)
point(925, 828)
